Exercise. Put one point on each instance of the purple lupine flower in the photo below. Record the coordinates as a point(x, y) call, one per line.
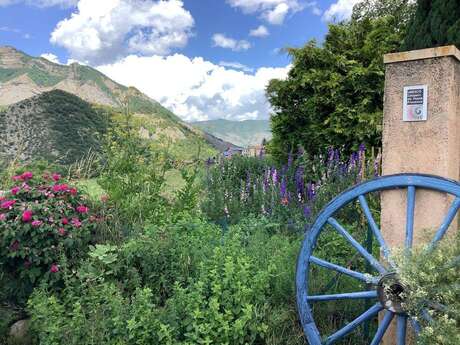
point(336, 155)
point(274, 176)
point(299, 180)
point(306, 211)
point(283, 188)
point(354, 159)
point(266, 181)
point(311, 191)
point(362, 148)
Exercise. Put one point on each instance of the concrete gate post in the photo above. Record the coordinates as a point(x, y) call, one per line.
point(421, 134)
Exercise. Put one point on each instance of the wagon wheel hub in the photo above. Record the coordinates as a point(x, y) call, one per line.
point(391, 293)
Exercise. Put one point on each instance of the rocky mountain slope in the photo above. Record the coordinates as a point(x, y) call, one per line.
point(55, 126)
point(241, 133)
point(23, 76)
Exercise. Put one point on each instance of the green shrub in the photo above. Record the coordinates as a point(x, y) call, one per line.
point(432, 279)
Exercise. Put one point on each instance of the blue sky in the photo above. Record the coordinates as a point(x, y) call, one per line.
point(203, 59)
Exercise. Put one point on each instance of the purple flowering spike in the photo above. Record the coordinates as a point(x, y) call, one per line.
point(330, 154)
point(306, 211)
point(283, 188)
point(275, 176)
point(266, 181)
point(362, 148)
point(336, 155)
point(299, 180)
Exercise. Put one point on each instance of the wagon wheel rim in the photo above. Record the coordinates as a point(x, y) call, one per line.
point(410, 182)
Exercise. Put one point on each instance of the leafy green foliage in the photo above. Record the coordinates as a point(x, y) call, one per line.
point(333, 95)
point(432, 280)
point(134, 177)
point(435, 23)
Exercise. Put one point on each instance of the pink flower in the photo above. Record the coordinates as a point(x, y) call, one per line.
point(73, 191)
point(2, 216)
point(60, 188)
point(82, 209)
point(27, 216)
point(61, 231)
point(15, 190)
point(76, 222)
point(104, 198)
point(27, 175)
point(36, 223)
point(17, 178)
point(7, 204)
point(54, 268)
point(56, 177)
point(64, 221)
point(2, 198)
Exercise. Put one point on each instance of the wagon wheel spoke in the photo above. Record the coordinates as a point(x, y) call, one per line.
point(373, 225)
point(383, 327)
point(360, 276)
point(367, 315)
point(341, 230)
point(410, 216)
point(446, 223)
point(401, 329)
point(350, 295)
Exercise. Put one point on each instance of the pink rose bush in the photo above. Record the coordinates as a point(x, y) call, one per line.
point(42, 220)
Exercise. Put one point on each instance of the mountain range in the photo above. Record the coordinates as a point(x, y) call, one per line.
point(241, 133)
point(36, 93)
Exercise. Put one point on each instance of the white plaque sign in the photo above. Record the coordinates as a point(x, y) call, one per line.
point(415, 106)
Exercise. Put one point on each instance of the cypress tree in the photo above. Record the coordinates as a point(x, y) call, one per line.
point(435, 23)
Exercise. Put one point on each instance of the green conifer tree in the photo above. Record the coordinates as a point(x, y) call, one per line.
point(435, 23)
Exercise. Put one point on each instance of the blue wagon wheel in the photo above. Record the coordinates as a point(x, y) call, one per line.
point(383, 274)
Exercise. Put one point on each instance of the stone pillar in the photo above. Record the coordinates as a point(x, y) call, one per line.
point(430, 146)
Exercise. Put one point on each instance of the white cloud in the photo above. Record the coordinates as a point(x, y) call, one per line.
point(50, 57)
point(101, 32)
point(273, 11)
point(222, 41)
point(41, 3)
point(261, 31)
point(237, 66)
point(340, 10)
point(196, 89)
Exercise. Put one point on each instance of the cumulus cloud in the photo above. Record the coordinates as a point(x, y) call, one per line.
point(101, 32)
point(222, 41)
point(41, 3)
point(340, 10)
point(196, 89)
point(261, 31)
point(272, 11)
point(50, 57)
